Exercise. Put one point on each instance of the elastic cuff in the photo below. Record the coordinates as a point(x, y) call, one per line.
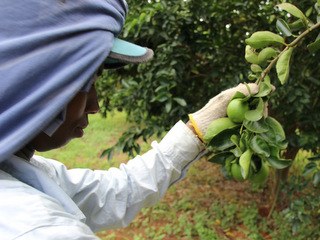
point(181, 144)
point(195, 126)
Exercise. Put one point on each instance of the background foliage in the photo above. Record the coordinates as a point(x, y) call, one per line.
point(199, 51)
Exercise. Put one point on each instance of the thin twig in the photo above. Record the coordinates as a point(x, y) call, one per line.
point(294, 43)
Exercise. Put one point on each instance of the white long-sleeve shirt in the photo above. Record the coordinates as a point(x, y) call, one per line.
point(42, 199)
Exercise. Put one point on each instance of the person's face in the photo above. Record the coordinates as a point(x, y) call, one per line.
point(76, 120)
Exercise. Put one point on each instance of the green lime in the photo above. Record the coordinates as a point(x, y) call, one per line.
point(261, 176)
point(236, 110)
point(236, 172)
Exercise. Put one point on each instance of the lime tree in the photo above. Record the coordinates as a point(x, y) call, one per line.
point(249, 142)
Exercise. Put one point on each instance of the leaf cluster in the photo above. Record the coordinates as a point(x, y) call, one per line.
point(257, 140)
point(268, 48)
point(199, 47)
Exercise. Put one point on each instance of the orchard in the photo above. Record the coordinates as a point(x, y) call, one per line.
point(204, 47)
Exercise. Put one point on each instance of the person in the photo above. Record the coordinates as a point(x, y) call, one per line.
point(50, 53)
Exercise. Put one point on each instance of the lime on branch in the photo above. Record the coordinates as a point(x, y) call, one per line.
point(248, 142)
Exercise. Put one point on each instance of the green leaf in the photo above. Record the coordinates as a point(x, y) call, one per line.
point(309, 11)
point(267, 80)
point(255, 114)
point(317, 7)
point(226, 167)
point(309, 168)
point(260, 146)
point(263, 39)
point(264, 90)
point(142, 17)
point(293, 10)
point(278, 163)
point(256, 126)
point(161, 87)
point(238, 95)
point(222, 141)
point(316, 179)
point(283, 27)
point(272, 140)
point(236, 151)
point(235, 139)
point(255, 68)
point(252, 77)
point(250, 55)
point(266, 54)
point(314, 158)
point(276, 128)
point(274, 151)
point(161, 97)
point(283, 65)
point(275, 135)
point(244, 162)
point(245, 140)
point(217, 126)
point(107, 153)
point(180, 101)
point(315, 46)
point(168, 106)
point(297, 25)
point(219, 158)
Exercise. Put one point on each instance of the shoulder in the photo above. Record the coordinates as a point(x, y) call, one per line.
point(25, 211)
point(46, 164)
point(53, 168)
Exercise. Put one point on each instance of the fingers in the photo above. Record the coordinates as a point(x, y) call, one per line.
point(245, 88)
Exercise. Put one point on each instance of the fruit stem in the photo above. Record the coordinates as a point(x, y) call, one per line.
point(293, 44)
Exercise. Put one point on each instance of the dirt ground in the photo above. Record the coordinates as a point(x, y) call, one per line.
point(203, 185)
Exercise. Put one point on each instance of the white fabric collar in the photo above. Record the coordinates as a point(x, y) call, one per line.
point(39, 177)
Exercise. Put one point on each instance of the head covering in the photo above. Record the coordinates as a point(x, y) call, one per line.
point(49, 51)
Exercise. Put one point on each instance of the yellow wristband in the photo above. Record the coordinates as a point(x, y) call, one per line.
point(195, 126)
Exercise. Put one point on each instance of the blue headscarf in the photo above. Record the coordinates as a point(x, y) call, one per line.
point(49, 51)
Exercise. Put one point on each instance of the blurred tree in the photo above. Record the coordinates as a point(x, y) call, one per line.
point(199, 51)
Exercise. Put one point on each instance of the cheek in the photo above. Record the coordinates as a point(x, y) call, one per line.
point(76, 108)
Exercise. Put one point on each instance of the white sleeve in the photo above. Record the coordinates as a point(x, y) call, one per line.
point(112, 198)
point(60, 232)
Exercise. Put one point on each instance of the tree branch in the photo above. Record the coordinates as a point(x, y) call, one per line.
point(294, 43)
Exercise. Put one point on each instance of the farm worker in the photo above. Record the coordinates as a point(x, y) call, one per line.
point(50, 52)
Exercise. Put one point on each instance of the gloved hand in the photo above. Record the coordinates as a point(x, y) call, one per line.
point(217, 107)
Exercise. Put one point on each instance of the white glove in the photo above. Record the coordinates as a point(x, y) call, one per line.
point(217, 107)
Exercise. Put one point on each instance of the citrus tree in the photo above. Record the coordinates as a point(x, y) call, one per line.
point(247, 141)
point(200, 49)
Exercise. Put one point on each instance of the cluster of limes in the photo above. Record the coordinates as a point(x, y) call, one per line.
point(247, 142)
